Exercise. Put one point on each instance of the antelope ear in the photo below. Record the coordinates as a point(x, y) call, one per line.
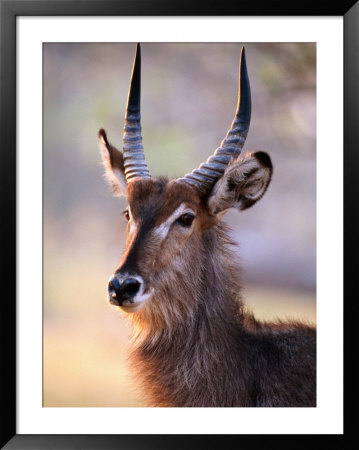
point(113, 162)
point(243, 183)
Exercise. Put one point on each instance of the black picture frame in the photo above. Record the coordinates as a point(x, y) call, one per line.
point(10, 9)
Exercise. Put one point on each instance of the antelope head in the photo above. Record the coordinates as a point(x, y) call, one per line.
point(169, 221)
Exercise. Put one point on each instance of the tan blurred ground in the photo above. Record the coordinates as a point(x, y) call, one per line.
point(86, 364)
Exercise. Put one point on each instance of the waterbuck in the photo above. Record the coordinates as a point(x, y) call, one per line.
point(194, 343)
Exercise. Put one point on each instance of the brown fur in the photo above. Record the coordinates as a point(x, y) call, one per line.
point(194, 343)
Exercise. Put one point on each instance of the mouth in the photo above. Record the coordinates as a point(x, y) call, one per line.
point(131, 305)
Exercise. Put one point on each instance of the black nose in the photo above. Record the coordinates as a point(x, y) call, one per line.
point(119, 292)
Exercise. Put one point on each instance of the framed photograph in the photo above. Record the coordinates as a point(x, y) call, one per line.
point(65, 75)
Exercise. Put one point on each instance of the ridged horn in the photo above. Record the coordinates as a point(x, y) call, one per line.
point(209, 172)
point(134, 157)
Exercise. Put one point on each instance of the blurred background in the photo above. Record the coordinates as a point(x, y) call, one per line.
point(189, 94)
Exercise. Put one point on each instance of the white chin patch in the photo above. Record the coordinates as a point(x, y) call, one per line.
point(131, 308)
point(136, 304)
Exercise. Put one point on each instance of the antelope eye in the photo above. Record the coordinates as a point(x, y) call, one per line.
point(126, 213)
point(186, 220)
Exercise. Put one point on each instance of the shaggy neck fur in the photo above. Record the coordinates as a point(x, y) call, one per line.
point(198, 347)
